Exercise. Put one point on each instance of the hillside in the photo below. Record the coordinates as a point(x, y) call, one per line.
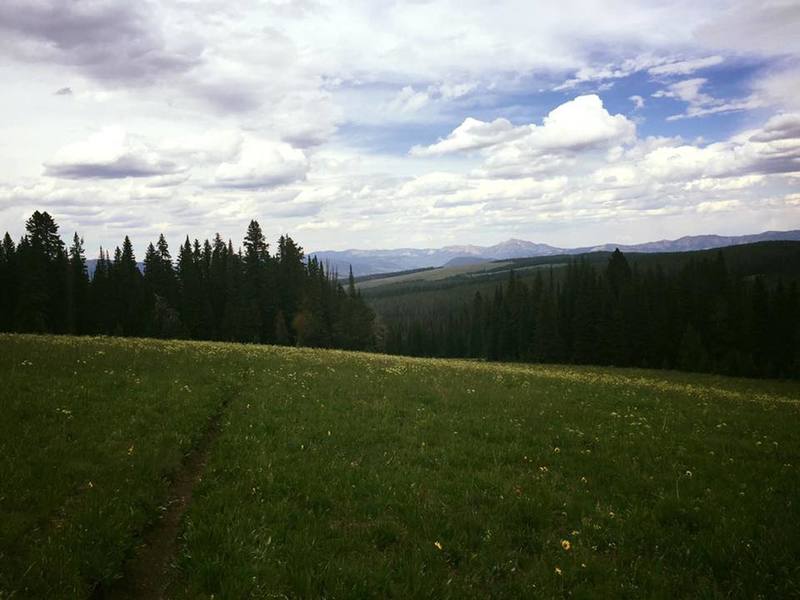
point(732, 311)
point(314, 473)
point(369, 262)
point(773, 259)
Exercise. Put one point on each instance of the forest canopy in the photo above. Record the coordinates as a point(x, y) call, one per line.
point(702, 316)
point(209, 291)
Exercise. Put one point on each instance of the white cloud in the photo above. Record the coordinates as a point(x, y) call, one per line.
point(574, 125)
point(472, 134)
point(779, 87)
point(684, 67)
point(197, 84)
point(638, 101)
point(263, 164)
point(687, 90)
point(768, 27)
point(109, 154)
point(409, 100)
point(779, 127)
point(700, 103)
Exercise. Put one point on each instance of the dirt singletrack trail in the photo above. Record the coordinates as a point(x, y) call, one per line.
point(147, 574)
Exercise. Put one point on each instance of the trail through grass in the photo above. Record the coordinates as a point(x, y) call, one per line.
point(347, 475)
point(90, 432)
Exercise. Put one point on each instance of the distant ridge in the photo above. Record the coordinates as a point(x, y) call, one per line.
point(369, 262)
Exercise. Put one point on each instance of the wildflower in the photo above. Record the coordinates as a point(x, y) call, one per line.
point(558, 571)
point(130, 450)
point(438, 545)
point(688, 474)
point(565, 544)
point(556, 449)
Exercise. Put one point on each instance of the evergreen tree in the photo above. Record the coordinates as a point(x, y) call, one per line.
point(42, 277)
point(130, 293)
point(9, 276)
point(77, 298)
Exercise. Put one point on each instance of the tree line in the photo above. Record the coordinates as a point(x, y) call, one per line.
point(700, 317)
point(210, 291)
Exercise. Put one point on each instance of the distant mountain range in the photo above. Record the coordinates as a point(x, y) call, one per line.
point(369, 262)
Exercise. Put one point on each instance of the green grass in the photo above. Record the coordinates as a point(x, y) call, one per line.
point(346, 475)
point(90, 430)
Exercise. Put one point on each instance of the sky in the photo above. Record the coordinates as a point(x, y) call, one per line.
point(383, 124)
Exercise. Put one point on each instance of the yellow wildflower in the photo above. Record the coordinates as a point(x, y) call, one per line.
point(565, 544)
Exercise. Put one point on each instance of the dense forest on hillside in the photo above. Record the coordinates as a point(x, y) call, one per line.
point(696, 315)
point(693, 312)
point(211, 292)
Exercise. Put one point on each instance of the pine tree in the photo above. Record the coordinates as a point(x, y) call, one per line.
point(130, 293)
point(618, 272)
point(477, 346)
point(161, 291)
point(42, 277)
point(256, 257)
point(290, 279)
point(9, 276)
point(77, 299)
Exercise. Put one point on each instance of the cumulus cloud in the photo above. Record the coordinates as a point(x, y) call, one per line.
point(201, 83)
point(575, 125)
point(472, 134)
point(263, 164)
point(779, 127)
point(109, 154)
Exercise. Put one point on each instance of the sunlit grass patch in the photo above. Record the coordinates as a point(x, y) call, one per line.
point(346, 475)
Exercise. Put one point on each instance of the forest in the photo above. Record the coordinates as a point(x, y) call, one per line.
point(211, 292)
point(701, 316)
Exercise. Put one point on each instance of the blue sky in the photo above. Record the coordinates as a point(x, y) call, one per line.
point(387, 124)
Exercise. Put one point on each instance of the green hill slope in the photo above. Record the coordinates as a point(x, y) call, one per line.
point(343, 475)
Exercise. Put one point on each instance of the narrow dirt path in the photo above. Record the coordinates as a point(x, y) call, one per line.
point(147, 574)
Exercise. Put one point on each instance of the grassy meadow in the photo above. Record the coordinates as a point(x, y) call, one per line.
point(344, 475)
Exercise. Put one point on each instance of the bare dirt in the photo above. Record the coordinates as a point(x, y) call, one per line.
point(148, 573)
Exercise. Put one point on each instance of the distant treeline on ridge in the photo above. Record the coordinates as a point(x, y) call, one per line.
point(212, 292)
point(700, 317)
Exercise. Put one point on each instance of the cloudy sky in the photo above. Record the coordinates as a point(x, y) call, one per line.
point(382, 123)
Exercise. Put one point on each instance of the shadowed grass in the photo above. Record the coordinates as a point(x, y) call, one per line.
point(351, 475)
point(90, 430)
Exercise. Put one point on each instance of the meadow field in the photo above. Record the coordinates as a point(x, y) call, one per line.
point(332, 474)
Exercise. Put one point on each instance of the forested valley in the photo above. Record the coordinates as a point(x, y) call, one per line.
point(701, 316)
